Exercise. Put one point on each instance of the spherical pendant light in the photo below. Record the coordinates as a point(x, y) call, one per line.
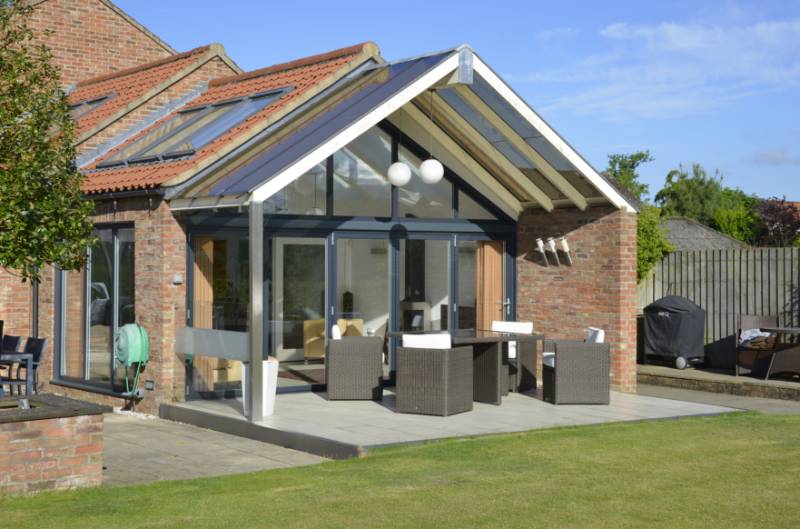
point(399, 174)
point(431, 171)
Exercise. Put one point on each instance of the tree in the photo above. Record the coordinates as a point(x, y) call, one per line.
point(43, 217)
point(651, 243)
point(779, 222)
point(697, 196)
point(623, 168)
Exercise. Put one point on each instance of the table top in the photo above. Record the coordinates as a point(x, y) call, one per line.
point(469, 336)
point(9, 356)
point(782, 330)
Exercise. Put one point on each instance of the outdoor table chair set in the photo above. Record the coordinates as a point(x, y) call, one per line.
point(764, 348)
point(20, 368)
point(440, 373)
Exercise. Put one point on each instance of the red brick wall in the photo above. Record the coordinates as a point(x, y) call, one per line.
point(214, 68)
point(599, 289)
point(160, 306)
point(15, 304)
point(51, 454)
point(89, 38)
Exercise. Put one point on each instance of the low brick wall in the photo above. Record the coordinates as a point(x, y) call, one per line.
point(51, 453)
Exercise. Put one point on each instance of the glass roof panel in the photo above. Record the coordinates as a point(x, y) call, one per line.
point(517, 122)
point(84, 107)
point(162, 131)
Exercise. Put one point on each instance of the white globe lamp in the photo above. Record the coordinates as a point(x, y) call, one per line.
point(399, 174)
point(431, 171)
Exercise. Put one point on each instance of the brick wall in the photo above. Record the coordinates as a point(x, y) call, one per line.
point(599, 289)
point(51, 454)
point(216, 67)
point(15, 304)
point(89, 38)
point(160, 306)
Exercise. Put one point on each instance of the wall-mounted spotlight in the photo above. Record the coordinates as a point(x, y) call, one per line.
point(565, 249)
point(540, 247)
point(551, 245)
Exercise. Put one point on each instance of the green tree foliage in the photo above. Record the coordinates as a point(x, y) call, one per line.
point(623, 168)
point(651, 242)
point(43, 218)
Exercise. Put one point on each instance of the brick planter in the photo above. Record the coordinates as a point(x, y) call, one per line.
point(58, 444)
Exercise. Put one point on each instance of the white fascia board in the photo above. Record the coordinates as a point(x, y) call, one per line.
point(359, 127)
point(550, 135)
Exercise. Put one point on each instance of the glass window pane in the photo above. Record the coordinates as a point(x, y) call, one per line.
point(467, 283)
point(150, 138)
point(362, 287)
point(125, 290)
point(73, 314)
point(420, 200)
point(360, 185)
point(470, 209)
point(424, 285)
point(101, 307)
point(304, 196)
point(182, 140)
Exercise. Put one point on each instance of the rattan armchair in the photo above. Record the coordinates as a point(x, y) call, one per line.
point(354, 368)
point(578, 373)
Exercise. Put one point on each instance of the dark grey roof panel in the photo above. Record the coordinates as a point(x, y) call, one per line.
point(688, 234)
point(262, 168)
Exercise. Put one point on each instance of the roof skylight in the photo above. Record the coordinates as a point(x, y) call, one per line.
point(189, 130)
point(87, 105)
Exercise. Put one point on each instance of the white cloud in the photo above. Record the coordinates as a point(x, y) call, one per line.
point(774, 157)
point(671, 69)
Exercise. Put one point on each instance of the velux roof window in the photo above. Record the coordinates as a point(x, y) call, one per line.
point(191, 129)
point(87, 105)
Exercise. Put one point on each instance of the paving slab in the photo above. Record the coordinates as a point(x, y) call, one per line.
point(144, 449)
point(771, 406)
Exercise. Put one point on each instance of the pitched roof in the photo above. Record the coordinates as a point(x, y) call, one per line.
point(305, 76)
point(688, 234)
point(126, 89)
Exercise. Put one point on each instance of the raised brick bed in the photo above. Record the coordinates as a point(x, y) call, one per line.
point(57, 444)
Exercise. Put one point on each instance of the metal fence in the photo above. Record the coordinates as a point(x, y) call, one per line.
point(727, 283)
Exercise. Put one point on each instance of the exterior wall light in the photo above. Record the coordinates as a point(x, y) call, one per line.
point(431, 171)
point(399, 174)
point(565, 249)
point(540, 247)
point(551, 245)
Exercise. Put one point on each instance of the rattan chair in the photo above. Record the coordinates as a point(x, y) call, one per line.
point(576, 373)
point(434, 380)
point(354, 368)
point(34, 347)
point(779, 358)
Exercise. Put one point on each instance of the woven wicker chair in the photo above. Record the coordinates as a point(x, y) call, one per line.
point(780, 358)
point(354, 368)
point(578, 373)
point(434, 381)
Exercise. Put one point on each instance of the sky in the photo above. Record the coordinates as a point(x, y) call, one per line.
point(709, 82)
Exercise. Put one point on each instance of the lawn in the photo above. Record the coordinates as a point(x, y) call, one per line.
point(730, 471)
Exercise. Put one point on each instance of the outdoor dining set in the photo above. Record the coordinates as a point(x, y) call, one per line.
point(19, 367)
point(444, 373)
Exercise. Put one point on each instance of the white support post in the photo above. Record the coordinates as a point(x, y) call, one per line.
point(255, 395)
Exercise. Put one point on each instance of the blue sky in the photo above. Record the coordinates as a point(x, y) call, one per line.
point(711, 82)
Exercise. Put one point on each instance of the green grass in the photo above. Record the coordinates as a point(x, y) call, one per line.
point(731, 471)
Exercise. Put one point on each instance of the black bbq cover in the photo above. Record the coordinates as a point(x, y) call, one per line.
point(674, 326)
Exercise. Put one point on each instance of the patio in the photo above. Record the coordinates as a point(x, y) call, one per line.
point(340, 429)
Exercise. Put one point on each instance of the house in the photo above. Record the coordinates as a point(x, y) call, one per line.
point(688, 234)
point(262, 202)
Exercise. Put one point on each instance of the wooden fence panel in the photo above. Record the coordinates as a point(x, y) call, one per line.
point(727, 283)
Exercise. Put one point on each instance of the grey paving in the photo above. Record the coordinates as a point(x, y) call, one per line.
point(143, 450)
point(772, 406)
point(368, 424)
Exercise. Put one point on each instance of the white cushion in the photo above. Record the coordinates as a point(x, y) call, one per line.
point(512, 349)
point(427, 341)
point(517, 327)
point(750, 334)
point(549, 359)
point(595, 335)
point(336, 333)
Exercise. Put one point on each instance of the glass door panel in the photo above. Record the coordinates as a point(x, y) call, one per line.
point(101, 307)
point(126, 306)
point(467, 283)
point(297, 309)
point(362, 286)
point(424, 284)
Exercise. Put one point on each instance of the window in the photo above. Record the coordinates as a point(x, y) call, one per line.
point(189, 130)
point(305, 196)
point(94, 304)
point(417, 199)
point(84, 107)
point(360, 185)
point(468, 208)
